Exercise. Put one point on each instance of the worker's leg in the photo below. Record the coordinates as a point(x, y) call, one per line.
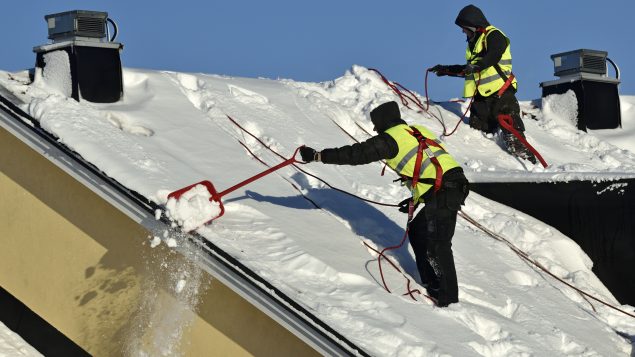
point(480, 115)
point(441, 224)
point(419, 242)
point(508, 105)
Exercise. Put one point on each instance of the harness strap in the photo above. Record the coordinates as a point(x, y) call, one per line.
point(424, 146)
point(508, 82)
point(508, 79)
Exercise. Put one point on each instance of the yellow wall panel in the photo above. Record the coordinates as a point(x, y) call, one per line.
point(89, 270)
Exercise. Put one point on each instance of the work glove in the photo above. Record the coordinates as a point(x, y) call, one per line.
point(455, 70)
point(440, 70)
point(309, 154)
point(470, 69)
point(403, 205)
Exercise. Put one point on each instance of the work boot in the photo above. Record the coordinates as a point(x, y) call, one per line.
point(444, 302)
point(510, 142)
point(526, 154)
point(516, 148)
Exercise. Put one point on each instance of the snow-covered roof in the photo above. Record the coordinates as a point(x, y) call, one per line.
point(174, 129)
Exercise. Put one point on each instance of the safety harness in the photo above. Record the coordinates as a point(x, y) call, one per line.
point(424, 147)
point(508, 80)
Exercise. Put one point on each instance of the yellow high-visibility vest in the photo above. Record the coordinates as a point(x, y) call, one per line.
point(489, 80)
point(404, 162)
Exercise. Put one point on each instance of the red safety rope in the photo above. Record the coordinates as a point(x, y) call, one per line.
point(380, 253)
point(410, 97)
point(405, 98)
point(462, 214)
point(415, 179)
point(409, 291)
point(291, 183)
point(307, 173)
point(461, 119)
point(526, 257)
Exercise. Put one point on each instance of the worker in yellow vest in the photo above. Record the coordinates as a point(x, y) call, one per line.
point(441, 186)
point(489, 79)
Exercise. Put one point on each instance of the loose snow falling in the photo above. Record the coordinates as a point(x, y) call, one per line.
point(174, 129)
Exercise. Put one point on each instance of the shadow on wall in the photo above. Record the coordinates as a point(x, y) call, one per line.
point(34, 329)
point(133, 298)
point(596, 215)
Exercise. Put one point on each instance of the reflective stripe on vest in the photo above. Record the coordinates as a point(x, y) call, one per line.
point(412, 153)
point(489, 80)
point(404, 161)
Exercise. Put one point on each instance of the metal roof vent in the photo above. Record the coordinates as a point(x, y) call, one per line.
point(84, 53)
point(579, 61)
point(584, 72)
point(75, 24)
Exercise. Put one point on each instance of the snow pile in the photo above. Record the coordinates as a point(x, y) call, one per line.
point(561, 108)
point(174, 129)
point(193, 208)
point(56, 75)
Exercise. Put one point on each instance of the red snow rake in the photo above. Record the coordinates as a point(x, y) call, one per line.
point(216, 196)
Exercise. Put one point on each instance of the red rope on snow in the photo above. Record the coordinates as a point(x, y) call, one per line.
point(380, 253)
point(462, 214)
point(526, 257)
point(504, 122)
point(516, 250)
point(405, 98)
point(310, 174)
point(410, 97)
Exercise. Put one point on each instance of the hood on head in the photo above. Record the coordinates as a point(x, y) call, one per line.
point(471, 17)
point(386, 116)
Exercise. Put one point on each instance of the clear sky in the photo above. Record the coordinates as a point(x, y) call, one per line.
point(319, 40)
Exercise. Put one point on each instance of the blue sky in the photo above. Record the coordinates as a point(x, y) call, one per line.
point(319, 40)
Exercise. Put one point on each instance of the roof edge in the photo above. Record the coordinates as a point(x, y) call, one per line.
point(239, 278)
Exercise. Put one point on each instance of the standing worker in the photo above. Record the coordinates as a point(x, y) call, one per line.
point(441, 186)
point(489, 79)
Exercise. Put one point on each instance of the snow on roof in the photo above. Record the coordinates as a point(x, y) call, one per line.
point(172, 130)
point(11, 344)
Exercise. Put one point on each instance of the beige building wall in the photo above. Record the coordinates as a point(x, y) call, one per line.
point(89, 270)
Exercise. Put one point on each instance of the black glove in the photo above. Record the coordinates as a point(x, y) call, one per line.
point(308, 154)
point(455, 70)
point(470, 69)
point(403, 205)
point(440, 70)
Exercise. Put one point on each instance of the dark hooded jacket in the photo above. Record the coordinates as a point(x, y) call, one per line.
point(379, 147)
point(472, 18)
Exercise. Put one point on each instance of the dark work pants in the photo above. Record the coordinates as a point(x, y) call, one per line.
point(430, 235)
point(485, 111)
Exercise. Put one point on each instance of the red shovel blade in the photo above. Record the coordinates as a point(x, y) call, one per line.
point(214, 197)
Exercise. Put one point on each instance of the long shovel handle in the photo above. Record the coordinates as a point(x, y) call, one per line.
point(287, 162)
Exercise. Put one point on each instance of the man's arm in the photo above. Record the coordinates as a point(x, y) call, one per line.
point(496, 44)
point(379, 147)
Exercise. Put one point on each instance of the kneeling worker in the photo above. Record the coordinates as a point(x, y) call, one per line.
point(441, 186)
point(489, 80)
